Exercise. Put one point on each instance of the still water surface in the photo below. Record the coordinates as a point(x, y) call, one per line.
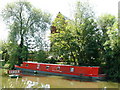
point(50, 81)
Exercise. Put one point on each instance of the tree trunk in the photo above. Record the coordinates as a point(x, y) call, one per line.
point(20, 59)
point(73, 58)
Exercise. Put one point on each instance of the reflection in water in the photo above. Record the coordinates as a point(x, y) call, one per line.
point(21, 83)
point(49, 81)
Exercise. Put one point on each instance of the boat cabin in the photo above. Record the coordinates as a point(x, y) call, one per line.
point(87, 71)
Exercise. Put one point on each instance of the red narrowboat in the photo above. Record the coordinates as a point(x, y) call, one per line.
point(65, 70)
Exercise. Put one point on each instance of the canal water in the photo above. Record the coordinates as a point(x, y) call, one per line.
point(51, 81)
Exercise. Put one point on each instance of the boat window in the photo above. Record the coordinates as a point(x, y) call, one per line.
point(71, 69)
point(38, 66)
point(58, 68)
point(47, 67)
point(26, 65)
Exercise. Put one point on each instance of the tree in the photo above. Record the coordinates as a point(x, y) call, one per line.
point(86, 33)
point(105, 22)
point(58, 23)
point(27, 26)
point(41, 56)
point(112, 47)
point(58, 27)
point(4, 50)
point(77, 39)
point(60, 38)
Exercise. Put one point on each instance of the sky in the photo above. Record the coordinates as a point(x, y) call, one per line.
point(64, 6)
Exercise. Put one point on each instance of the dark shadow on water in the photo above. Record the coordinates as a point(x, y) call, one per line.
point(35, 75)
point(63, 77)
point(79, 79)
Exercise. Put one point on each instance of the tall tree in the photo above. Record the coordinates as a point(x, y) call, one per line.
point(86, 34)
point(57, 29)
point(112, 47)
point(27, 25)
point(77, 39)
point(110, 42)
point(105, 23)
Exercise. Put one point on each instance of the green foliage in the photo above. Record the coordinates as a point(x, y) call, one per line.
point(84, 41)
point(4, 51)
point(13, 52)
point(7, 66)
point(2, 63)
point(77, 39)
point(40, 56)
point(4, 72)
point(59, 46)
point(80, 41)
point(59, 23)
point(112, 47)
point(50, 60)
point(27, 28)
point(105, 21)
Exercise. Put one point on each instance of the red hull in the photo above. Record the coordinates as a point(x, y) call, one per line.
point(63, 69)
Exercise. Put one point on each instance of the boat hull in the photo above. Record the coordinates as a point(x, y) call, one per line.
point(58, 74)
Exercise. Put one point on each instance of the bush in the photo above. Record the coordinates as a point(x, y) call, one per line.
point(52, 60)
point(6, 66)
point(4, 72)
point(41, 56)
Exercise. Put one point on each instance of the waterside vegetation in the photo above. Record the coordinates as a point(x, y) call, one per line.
point(82, 40)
